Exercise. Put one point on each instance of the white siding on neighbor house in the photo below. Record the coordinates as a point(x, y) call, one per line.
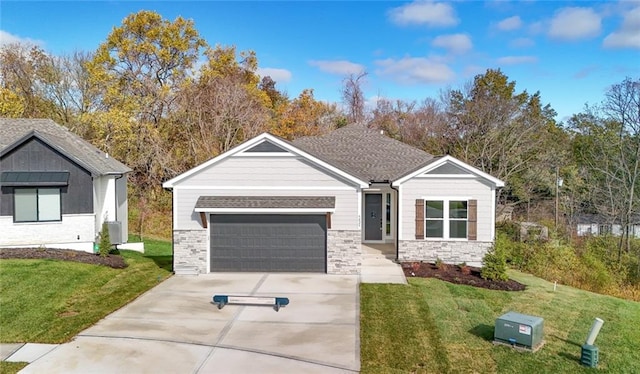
point(123, 205)
point(449, 188)
point(75, 231)
point(345, 217)
point(110, 201)
point(259, 171)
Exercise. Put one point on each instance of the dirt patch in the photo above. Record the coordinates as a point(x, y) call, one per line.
point(467, 275)
point(114, 261)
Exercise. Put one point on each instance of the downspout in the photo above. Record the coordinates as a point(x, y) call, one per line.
point(397, 218)
point(115, 193)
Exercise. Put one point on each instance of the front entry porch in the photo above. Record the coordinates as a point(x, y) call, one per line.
point(379, 266)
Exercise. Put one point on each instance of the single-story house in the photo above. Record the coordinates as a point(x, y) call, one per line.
point(597, 225)
point(56, 189)
point(307, 205)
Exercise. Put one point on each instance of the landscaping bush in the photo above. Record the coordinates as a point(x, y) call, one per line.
point(494, 265)
point(105, 241)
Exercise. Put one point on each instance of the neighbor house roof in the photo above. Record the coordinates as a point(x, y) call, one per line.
point(289, 202)
point(14, 132)
point(365, 153)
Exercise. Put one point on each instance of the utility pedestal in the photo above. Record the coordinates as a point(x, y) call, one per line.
point(589, 355)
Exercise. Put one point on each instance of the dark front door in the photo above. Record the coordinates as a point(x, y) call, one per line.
point(268, 242)
point(373, 216)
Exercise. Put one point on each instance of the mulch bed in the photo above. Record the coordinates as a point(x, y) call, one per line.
point(114, 261)
point(468, 275)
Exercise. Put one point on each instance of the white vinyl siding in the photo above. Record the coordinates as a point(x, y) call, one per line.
point(262, 171)
point(346, 215)
point(450, 188)
point(265, 175)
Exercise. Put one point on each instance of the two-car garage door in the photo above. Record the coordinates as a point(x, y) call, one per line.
point(268, 242)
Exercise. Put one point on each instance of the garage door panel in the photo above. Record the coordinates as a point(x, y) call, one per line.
point(268, 243)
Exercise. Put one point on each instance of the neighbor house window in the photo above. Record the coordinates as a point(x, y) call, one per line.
point(36, 204)
point(446, 219)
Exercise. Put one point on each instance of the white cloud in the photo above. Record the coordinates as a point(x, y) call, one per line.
point(7, 38)
point(522, 43)
point(575, 23)
point(414, 70)
point(424, 13)
point(340, 67)
point(514, 60)
point(456, 43)
point(628, 36)
point(511, 23)
point(278, 75)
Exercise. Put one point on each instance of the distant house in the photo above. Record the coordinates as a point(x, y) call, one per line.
point(597, 225)
point(308, 205)
point(56, 189)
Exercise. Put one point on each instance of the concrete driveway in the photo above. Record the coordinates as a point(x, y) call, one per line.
point(174, 328)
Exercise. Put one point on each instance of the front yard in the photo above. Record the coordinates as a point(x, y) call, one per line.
point(431, 326)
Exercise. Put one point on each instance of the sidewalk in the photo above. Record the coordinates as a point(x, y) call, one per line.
point(21, 352)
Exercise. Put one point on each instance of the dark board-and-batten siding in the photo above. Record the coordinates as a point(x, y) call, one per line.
point(35, 155)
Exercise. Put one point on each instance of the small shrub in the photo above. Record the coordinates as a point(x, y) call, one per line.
point(439, 263)
point(494, 265)
point(464, 269)
point(105, 241)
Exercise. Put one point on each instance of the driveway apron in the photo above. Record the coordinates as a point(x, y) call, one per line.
point(174, 328)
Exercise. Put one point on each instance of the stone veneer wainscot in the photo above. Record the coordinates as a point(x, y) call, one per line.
point(450, 252)
point(344, 252)
point(190, 249)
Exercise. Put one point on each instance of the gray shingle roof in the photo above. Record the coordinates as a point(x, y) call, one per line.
point(71, 145)
point(287, 202)
point(365, 153)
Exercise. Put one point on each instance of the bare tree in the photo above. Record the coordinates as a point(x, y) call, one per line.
point(353, 96)
point(218, 113)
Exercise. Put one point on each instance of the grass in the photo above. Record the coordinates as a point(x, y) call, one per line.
point(160, 251)
point(431, 326)
point(11, 367)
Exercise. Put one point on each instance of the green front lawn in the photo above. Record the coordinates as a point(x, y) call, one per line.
point(431, 326)
point(47, 301)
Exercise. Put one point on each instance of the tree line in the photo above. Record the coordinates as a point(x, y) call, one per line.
point(158, 97)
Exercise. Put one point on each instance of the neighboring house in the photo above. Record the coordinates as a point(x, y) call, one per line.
point(56, 188)
point(597, 225)
point(307, 205)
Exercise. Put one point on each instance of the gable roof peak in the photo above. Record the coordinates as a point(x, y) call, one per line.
point(15, 131)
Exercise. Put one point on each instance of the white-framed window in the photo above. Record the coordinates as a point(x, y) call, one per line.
point(446, 219)
point(36, 205)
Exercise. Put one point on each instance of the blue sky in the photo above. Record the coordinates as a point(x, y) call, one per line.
point(569, 51)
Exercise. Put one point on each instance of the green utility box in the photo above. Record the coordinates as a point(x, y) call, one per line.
point(519, 330)
point(589, 355)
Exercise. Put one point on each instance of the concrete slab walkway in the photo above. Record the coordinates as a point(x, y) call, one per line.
point(378, 265)
point(29, 352)
point(174, 328)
